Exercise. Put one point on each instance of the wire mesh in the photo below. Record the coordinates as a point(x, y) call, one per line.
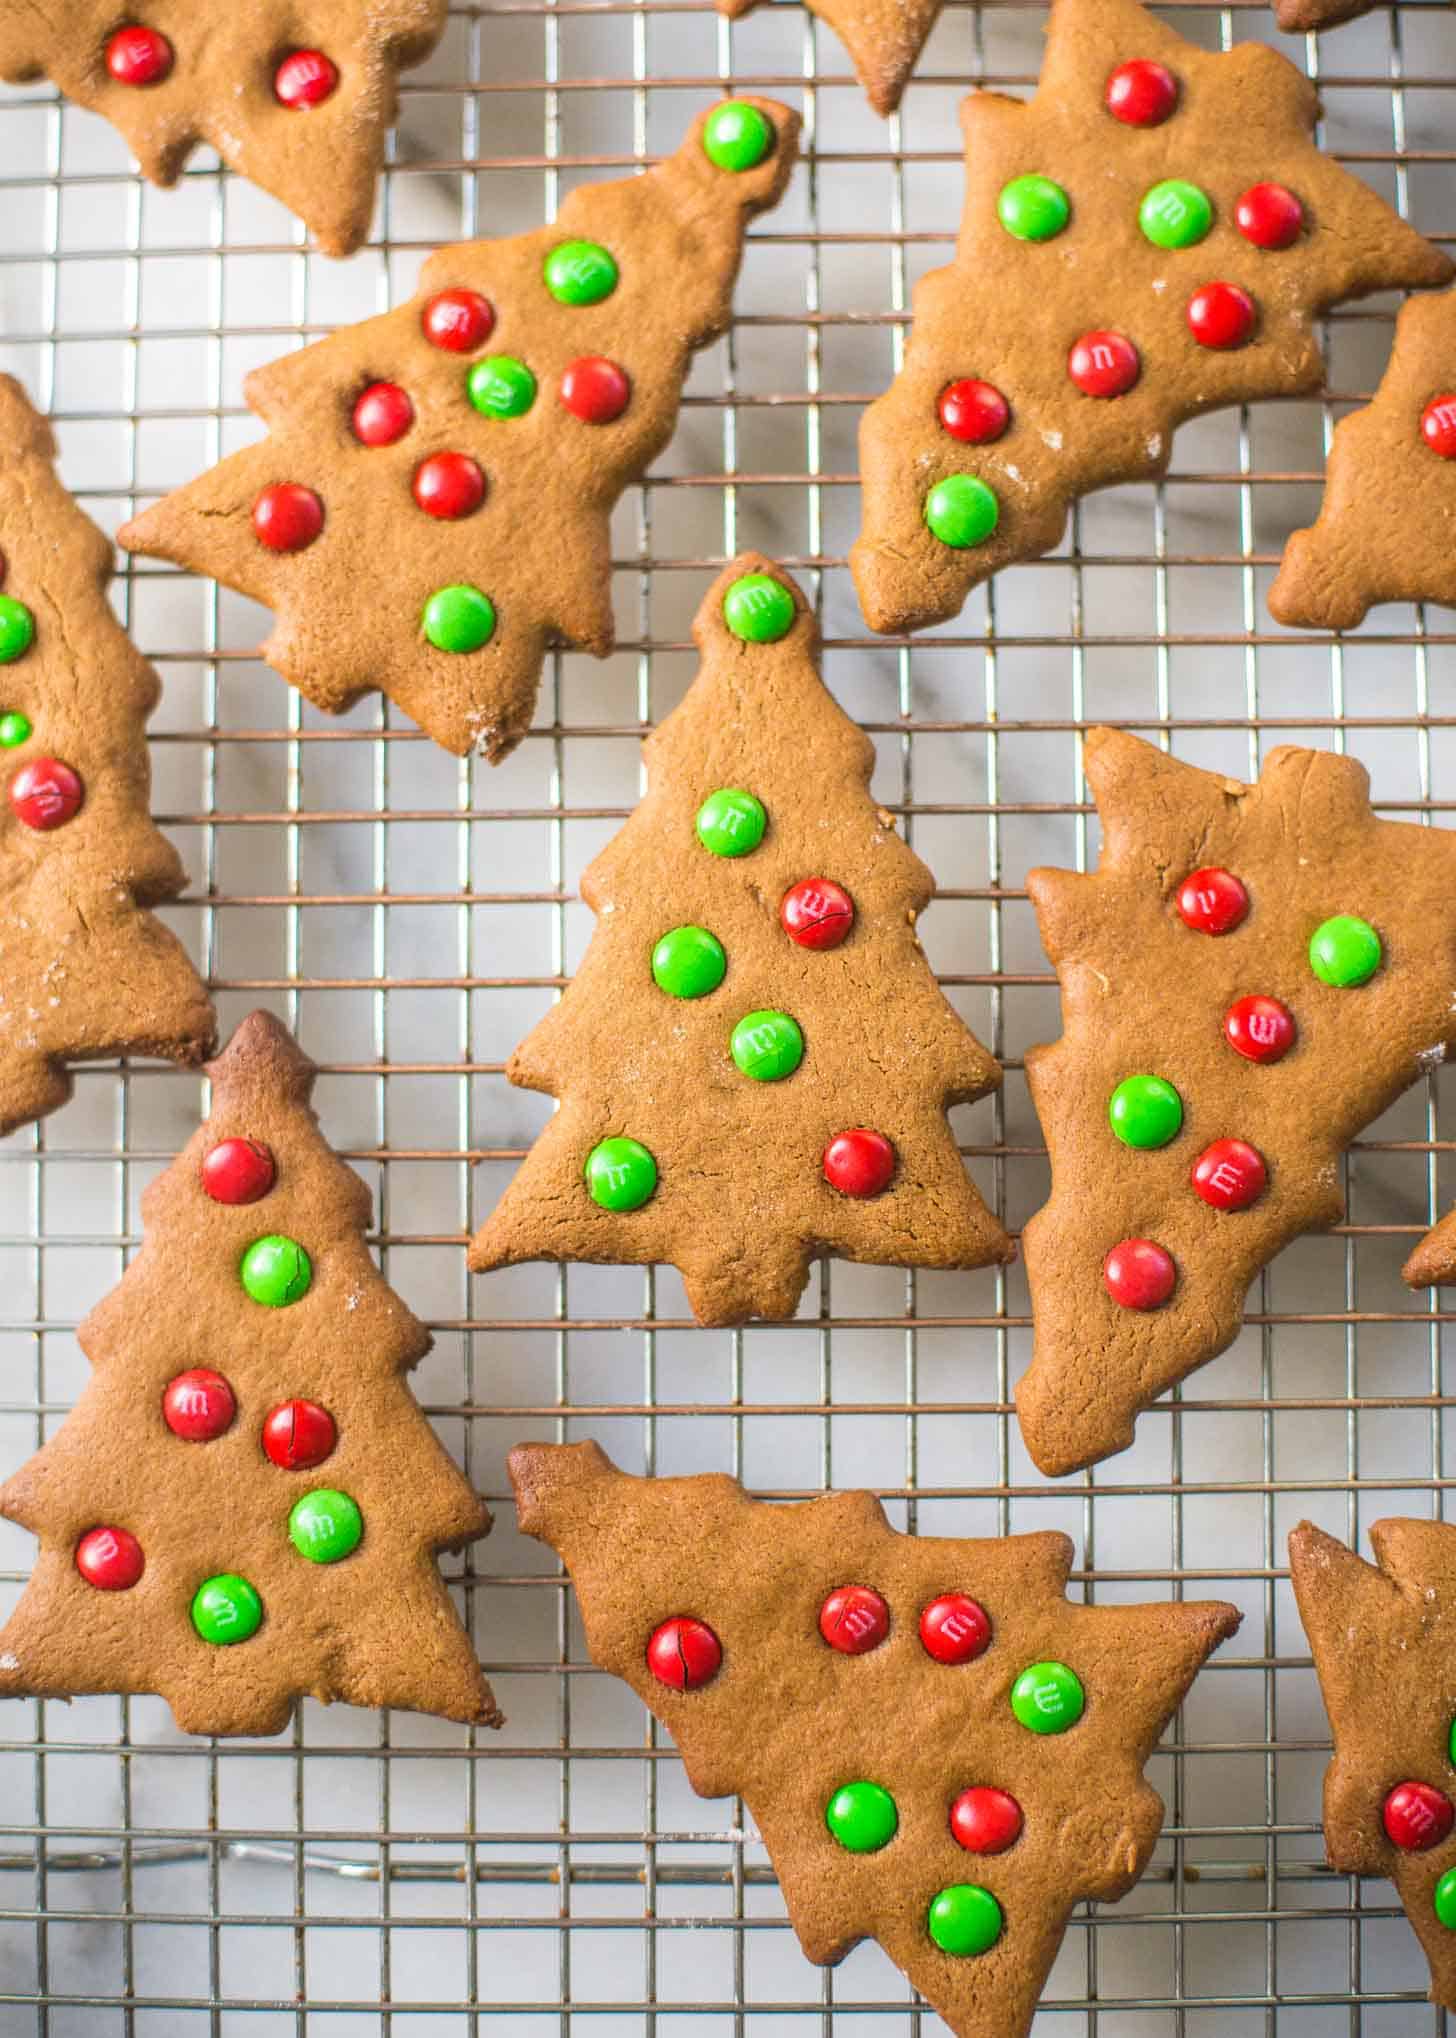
point(412, 915)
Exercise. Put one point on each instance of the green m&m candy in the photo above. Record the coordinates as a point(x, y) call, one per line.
point(736, 136)
point(730, 822)
point(1451, 1744)
point(580, 272)
point(276, 1271)
point(1048, 1698)
point(226, 1609)
point(325, 1525)
point(459, 618)
point(1175, 214)
point(1145, 1111)
point(1443, 1900)
point(962, 511)
point(688, 962)
point(759, 609)
point(15, 729)
point(1344, 951)
point(964, 1919)
point(767, 1046)
point(620, 1174)
point(500, 386)
point(862, 1817)
point(1033, 208)
point(17, 629)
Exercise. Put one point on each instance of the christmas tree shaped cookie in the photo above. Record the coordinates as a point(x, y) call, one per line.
point(472, 444)
point(1153, 235)
point(1250, 977)
point(754, 1061)
point(1386, 525)
point(245, 1505)
point(883, 37)
point(1384, 1644)
point(304, 119)
point(939, 1750)
point(86, 971)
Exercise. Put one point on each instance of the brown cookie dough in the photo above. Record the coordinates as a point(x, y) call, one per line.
point(884, 38)
point(940, 1751)
point(500, 421)
point(86, 972)
point(1384, 1644)
point(1055, 358)
point(295, 94)
point(758, 816)
point(1296, 17)
point(1433, 1262)
point(1198, 931)
point(245, 1505)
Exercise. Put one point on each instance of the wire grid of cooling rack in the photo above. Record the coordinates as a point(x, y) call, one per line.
point(412, 916)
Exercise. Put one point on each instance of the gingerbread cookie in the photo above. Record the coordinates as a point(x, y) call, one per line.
point(1153, 235)
point(1384, 1645)
point(245, 1504)
point(1297, 17)
point(476, 440)
point(754, 1061)
point(297, 97)
point(939, 1750)
point(1250, 977)
point(884, 38)
point(1433, 1263)
point(86, 971)
point(1385, 524)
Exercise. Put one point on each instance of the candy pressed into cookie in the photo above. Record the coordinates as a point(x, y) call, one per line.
point(1154, 234)
point(245, 1506)
point(940, 1751)
point(1252, 974)
point(86, 971)
point(477, 440)
point(754, 1060)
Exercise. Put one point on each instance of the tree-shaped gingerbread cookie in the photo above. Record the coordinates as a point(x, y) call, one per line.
point(86, 971)
point(1153, 235)
point(477, 439)
point(754, 1060)
point(1384, 1643)
point(939, 1750)
point(295, 94)
point(245, 1506)
point(1252, 974)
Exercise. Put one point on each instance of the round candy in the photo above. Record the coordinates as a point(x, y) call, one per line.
point(859, 1163)
point(226, 1609)
point(1139, 1274)
point(1269, 215)
point(1230, 1174)
point(17, 629)
point(298, 1435)
point(459, 618)
point(1344, 951)
point(736, 136)
point(962, 511)
point(1033, 208)
point(46, 793)
point(325, 1525)
point(620, 1174)
point(580, 272)
point(767, 1046)
point(15, 729)
point(986, 1821)
point(382, 413)
point(449, 486)
point(730, 822)
point(1259, 1028)
point(816, 913)
point(854, 1619)
point(109, 1558)
point(1175, 214)
point(305, 78)
point(458, 320)
point(1141, 93)
point(862, 1817)
point(973, 412)
point(276, 1271)
point(1417, 1816)
point(688, 962)
point(759, 609)
point(595, 389)
point(1438, 429)
point(1212, 900)
point(964, 1919)
point(684, 1653)
point(500, 386)
point(287, 516)
point(1104, 364)
point(955, 1628)
point(199, 1405)
point(238, 1171)
point(1048, 1698)
point(1220, 315)
point(1443, 1900)
point(1145, 1111)
point(138, 56)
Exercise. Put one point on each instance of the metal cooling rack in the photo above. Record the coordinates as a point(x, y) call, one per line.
point(412, 916)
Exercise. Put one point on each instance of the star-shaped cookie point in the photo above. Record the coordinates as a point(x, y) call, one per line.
point(883, 37)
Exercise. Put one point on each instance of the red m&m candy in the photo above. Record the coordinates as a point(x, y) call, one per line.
point(1220, 316)
point(382, 413)
point(1269, 215)
point(973, 412)
point(595, 390)
point(816, 913)
point(458, 320)
point(46, 793)
point(854, 1619)
point(199, 1405)
point(1139, 1274)
point(305, 78)
point(238, 1171)
point(985, 1821)
point(955, 1628)
point(110, 1559)
point(137, 55)
point(1417, 1816)
point(1141, 93)
point(449, 485)
point(859, 1162)
point(1230, 1174)
point(684, 1653)
point(1212, 900)
point(1438, 426)
point(287, 516)
point(1258, 1028)
point(298, 1434)
point(1104, 364)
